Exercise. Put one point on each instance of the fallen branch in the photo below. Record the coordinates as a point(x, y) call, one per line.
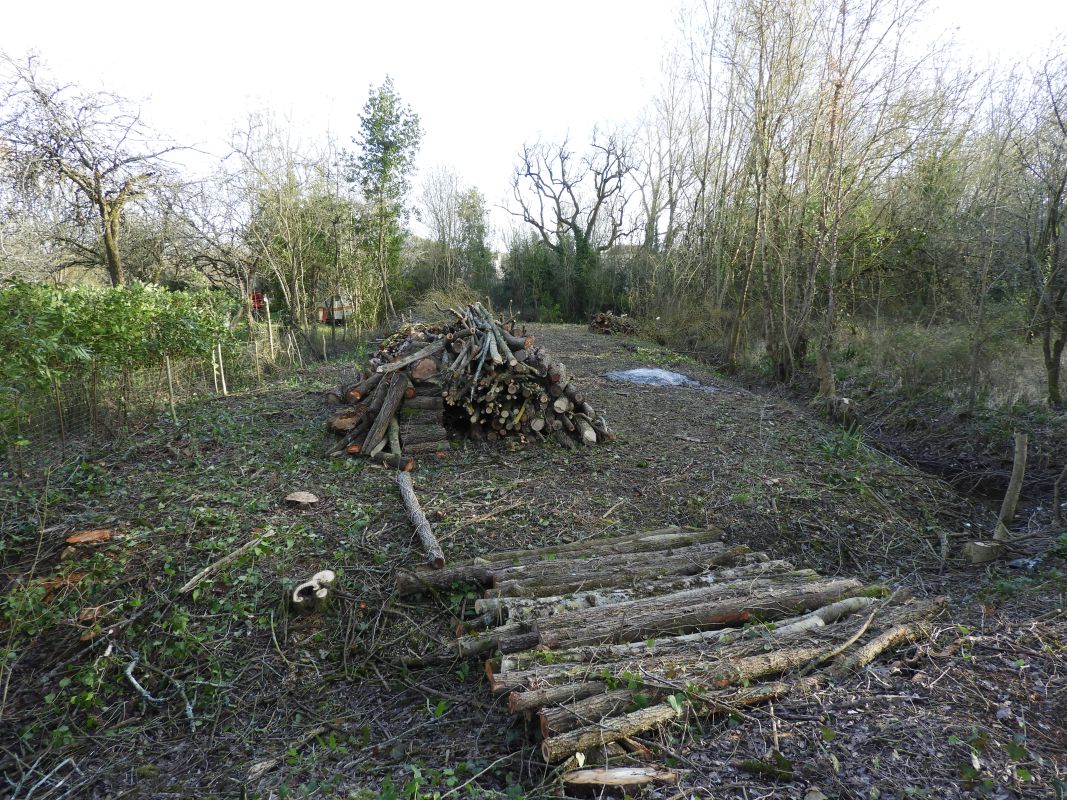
point(622, 777)
point(227, 559)
point(155, 701)
point(435, 556)
point(425, 352)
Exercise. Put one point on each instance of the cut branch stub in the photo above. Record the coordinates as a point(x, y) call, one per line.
point(313, 595)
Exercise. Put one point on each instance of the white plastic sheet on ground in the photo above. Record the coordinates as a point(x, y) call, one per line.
point(652, 376)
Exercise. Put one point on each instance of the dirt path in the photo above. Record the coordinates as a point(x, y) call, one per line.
point(324, 706)
point(769, 473)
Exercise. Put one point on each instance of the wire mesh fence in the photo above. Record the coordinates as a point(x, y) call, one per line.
point(98, 405)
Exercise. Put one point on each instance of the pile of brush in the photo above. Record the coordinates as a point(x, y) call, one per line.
point(610, 323)
point(472, 375)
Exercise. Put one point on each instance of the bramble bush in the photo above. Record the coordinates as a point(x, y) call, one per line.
point(49, 334)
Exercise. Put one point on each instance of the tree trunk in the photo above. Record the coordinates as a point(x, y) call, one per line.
point(562, 718)
point(609, 730)
point(393, 395)
point(683, 612)
point(1053, 353)
point(1015, 485)
point(665, 539)
point(109, 221)
point(435, 556)
point(530, 699)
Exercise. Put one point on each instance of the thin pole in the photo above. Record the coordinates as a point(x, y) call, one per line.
point(259, 367)
point(222, 373)
point(324, 347)
point(214, 371)
point(170, 390)
point(296, 347)
point(270, 326)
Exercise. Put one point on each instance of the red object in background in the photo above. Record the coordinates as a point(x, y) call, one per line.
point(257, 301)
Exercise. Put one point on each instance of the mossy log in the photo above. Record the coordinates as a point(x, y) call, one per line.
point(505, 639)
point(685, 612)
point(556, 719)
point(481, 572)
point(532, 699)
point(498, 610)
point(566, 576)
point(687, 642)
point(719, 663)
point(558, 748)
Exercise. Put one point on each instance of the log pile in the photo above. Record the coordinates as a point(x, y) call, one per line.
point(473, 375)
point(602, 640)
point(609, 324)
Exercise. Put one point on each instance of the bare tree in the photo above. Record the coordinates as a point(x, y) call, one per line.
point(1041, 144)
point(440, 200)
point(576, 204)
point(287, 225)
point(87, 153)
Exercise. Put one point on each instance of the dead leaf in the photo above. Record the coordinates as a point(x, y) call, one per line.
point(93, 613)
point(94, 536)
point(62, 580)
point(53, 585)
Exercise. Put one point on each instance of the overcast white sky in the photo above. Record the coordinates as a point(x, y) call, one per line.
point(484, 76)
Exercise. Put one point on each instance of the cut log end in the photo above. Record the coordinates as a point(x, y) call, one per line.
point(301, 499)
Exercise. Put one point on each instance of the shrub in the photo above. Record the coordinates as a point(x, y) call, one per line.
point(49, 334)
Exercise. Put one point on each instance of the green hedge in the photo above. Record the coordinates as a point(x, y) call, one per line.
point(49, 334)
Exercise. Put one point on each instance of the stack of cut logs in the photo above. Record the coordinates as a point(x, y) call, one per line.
point(474, 375)
point(609, 323)
point(605, 639)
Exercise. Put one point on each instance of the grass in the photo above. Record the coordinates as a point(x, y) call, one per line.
point(915, 392)
point(253, 702)
point(78, 625)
